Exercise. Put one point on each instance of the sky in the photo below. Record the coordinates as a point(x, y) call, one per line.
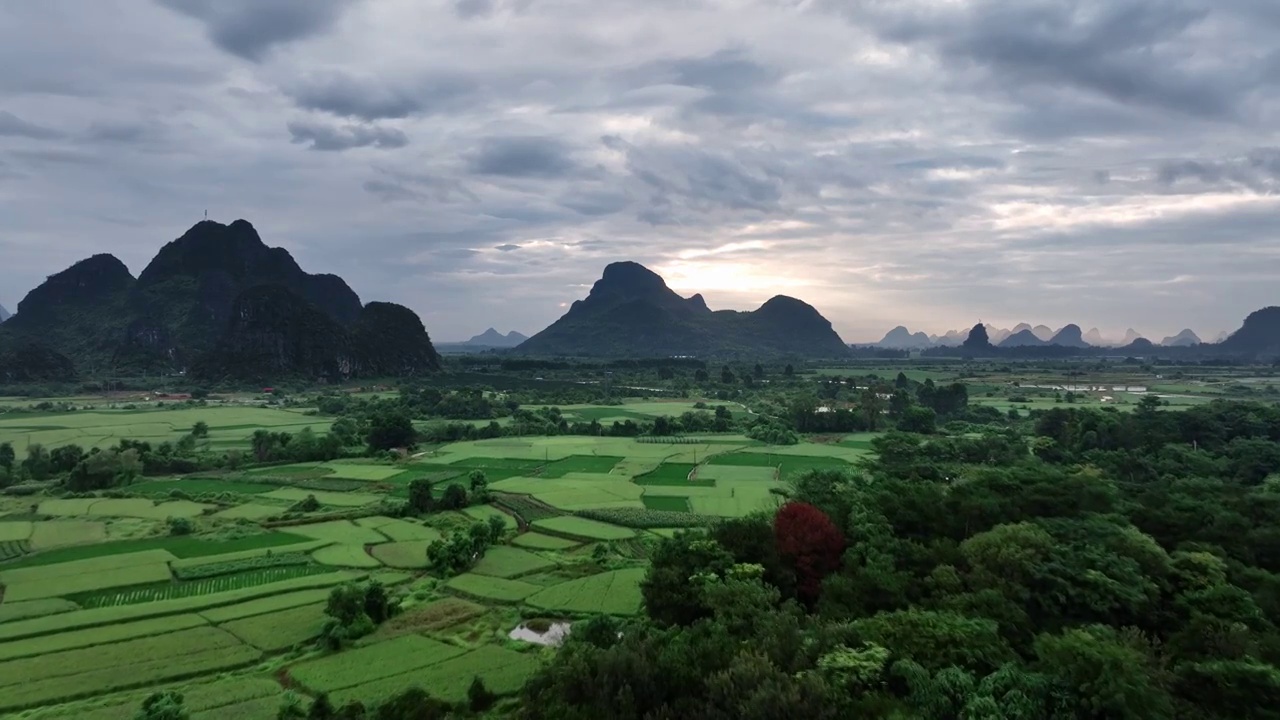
point(930, 163)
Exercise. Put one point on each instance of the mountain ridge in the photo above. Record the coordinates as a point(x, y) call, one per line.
point(630, 311)
point(206, 301)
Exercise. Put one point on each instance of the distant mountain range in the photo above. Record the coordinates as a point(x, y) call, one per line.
point(216, 302)
point(488, 340)
point(4, 314)
point(630, 312)
point(1025, 335)
point(494, 339)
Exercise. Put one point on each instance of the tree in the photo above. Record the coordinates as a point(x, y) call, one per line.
point(810, 544)
point(7, 456)
point(479, 698)
point(64, 459)
point(700, 375)
point(321, 708)
point(788, 371)
point(920, 420)
point(726, 375)
point(758, 371)
point(421, 499)
point(1105, 674)
point(200, 429)
point(454, 498)
point(497, 527)
point(479, 486)
point(180, 526)
point(167, 705)
point(389, 430)
point(37, 464)
point(901, 382)
point(669, 597)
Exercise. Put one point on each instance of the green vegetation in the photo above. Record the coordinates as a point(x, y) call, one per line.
point(509, 562)
point(613, 593)
point(231, 567)
point(167, 590)
point(491, 588)
point(581, 528)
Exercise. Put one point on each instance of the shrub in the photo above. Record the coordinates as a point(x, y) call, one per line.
point(180, 526)
point(645, 518)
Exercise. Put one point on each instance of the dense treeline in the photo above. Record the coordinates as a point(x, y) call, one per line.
point(1102, 565)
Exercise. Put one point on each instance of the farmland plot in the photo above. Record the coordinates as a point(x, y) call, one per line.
point(508, 562)
point(503, 671)
point(104, 635)
point(371, 662)
point(340, 531)
point(139, 593)
point(352, 556)
point(84, 576)
point(614, 593)
point(280, 630)
point(83, 672)
point(15, 530)
point(582, 528)
point(492, 588)
point(399, 530)
point(538, 541)
point(48, 534)
point(411, 554)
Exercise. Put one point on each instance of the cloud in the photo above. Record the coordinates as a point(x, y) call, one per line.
point(326, 136)
point(522, 157)
point(911, 162)
point(14, 126)
point(374, 98)
point(251, 28)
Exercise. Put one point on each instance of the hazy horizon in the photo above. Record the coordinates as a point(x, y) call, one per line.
point(1112, 163)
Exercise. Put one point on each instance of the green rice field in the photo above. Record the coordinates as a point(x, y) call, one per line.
point(101, 605)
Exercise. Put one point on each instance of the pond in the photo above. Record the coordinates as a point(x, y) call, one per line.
point(541, 632)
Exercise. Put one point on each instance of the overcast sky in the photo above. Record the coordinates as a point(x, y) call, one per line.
point(1112, 163)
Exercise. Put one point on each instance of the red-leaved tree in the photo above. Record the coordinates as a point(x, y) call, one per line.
point(810, 544)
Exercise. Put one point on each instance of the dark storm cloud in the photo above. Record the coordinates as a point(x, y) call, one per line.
point(326, 136)
point(374, 98)
point(251, 28)
point(1131, 52)
point(522, 157)
point(14, 126)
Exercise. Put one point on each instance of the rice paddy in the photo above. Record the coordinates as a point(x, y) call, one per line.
point(101, 605)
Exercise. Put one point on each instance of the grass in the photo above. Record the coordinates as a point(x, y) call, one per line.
point(612, 593)
point(250, 511)
point(356, 471)
point(352, 556)
point(411, 554)
point(372, 662)
point(538, 541)
point(234, 697)
point(182, 547)
point(340, 531)
point(582, 528)
point(181, 564)
point(44, 645)
point(138, 593)
point(96, 670)
point(281, 630)
point(491, 588)
point(666, 503)
point(509, 562)
point(581, 463)
point(497, 463)
point(503, 671)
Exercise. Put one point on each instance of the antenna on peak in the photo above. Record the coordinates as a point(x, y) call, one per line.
point(206, 214)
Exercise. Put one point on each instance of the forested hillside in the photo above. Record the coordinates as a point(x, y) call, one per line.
point(1105, 566)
